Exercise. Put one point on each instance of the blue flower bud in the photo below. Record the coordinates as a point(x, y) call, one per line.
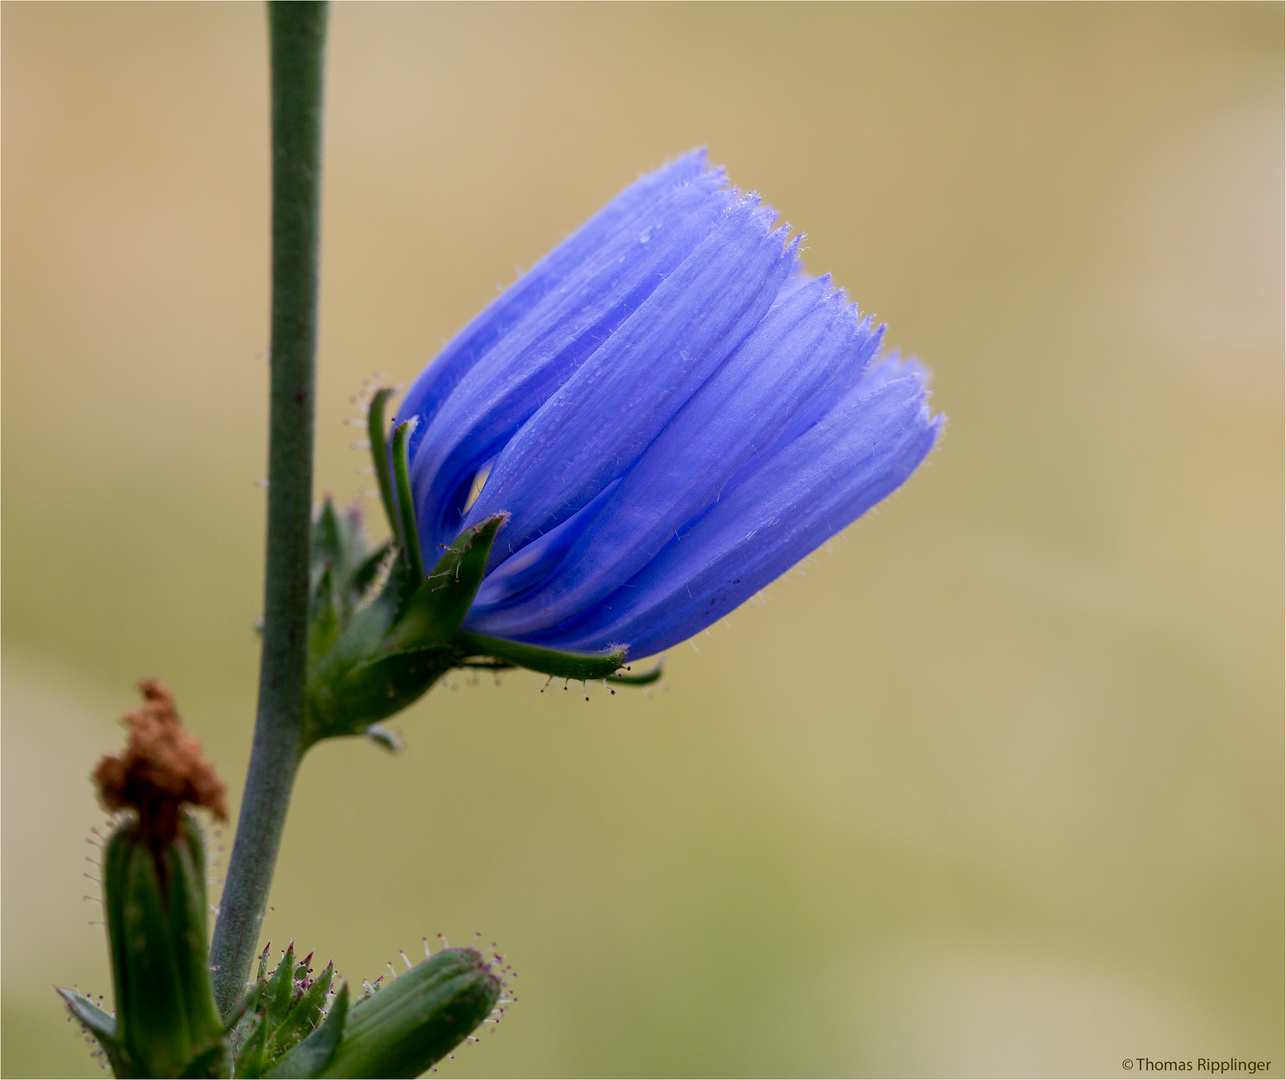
point(665, 414)
point(668, 412)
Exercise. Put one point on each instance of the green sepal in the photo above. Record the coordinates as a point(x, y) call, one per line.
point(97, 1021)
point(364, 633)
point(332, 537)
point(280, 990)
point(306, 1013)
point(314, 1053)
point(341, 570)
point(369, 691)
point(437, 608)
point(100, 1024)
point(246, 1003)
point(365, 573)
point(386, 658)
point(402, 1029)
point(324, 620)
point(373, 654)
point(253, 1041)
point(116, 856)
point(252, 1053)
point(645, 678)
point(379, 448)
point(563, 665)
point(339, 541)
point(403, 523)
point(338, 687)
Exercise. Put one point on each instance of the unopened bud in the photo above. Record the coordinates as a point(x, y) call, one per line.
point(403, 1028)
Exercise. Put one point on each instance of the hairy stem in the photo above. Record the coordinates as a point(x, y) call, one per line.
point(297, 32)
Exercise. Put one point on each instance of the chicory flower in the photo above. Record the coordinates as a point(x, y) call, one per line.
point(670, 413)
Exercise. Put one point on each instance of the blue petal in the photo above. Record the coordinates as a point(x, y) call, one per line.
point(495, 320)
point(521, 572)
point(855, 456)
point(807, 352)
point(616, 403)
point(516, 374)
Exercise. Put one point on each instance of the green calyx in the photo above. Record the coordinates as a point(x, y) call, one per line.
point(166, 1022)
point(283, 1010)
point(382, 630)
point(397, 639)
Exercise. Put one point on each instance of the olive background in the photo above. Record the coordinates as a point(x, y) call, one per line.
point(994, 787)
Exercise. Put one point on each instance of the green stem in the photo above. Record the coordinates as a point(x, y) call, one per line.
point(298, 34)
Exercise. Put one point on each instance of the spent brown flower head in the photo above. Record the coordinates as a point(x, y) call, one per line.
point(161, 768)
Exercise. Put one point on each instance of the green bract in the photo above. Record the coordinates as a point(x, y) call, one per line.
point(381, 630)
point(284, 1010)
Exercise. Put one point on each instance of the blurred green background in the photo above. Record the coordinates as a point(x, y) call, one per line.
point(994, 789)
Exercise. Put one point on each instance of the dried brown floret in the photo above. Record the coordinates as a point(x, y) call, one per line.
point(161, 768)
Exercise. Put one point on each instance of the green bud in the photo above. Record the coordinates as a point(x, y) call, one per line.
point(405, 1027)
point(154, 899)
point(154, 902)
point(288, 1007)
